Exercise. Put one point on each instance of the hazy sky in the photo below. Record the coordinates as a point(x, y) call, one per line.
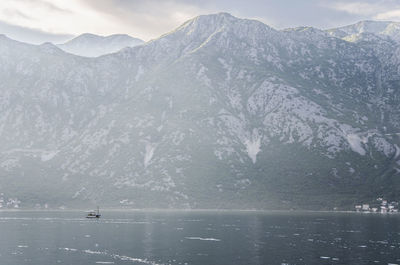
point(38, 21)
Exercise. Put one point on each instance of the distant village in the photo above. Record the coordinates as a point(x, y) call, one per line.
point(382, 206)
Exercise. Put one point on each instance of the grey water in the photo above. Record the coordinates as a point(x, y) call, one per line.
point(178, 237)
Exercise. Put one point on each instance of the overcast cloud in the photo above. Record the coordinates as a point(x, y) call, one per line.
point(38, 21)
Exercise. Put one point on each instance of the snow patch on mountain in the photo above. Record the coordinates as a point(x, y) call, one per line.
point(356, 143)
point(149, 152)
point(253, 145)
point(397, 154)
point(48, 155)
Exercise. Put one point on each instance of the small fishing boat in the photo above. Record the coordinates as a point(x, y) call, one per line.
point(94, 214)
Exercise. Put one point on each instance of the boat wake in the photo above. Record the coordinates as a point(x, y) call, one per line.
point(202, 238)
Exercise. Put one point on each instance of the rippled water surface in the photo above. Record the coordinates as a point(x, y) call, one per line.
point(48, 238)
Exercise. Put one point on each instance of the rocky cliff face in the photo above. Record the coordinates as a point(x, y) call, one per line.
point(220, 113)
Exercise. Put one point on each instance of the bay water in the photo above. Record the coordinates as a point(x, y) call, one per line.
point(198, 238)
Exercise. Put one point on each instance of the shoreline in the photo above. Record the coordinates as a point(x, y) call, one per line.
point(227, 211)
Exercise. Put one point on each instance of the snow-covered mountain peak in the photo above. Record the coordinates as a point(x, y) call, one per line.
point(86, 37)
point(380, 28)
point(219, 32)
point(207, 25)
point(217, 19)
point(122, 37)
point(228, 20)
point(215, 28)
point(91, 45)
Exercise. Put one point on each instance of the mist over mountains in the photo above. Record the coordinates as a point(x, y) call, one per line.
point(222, 112)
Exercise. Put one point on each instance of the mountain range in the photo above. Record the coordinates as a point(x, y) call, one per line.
point(222, 112)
